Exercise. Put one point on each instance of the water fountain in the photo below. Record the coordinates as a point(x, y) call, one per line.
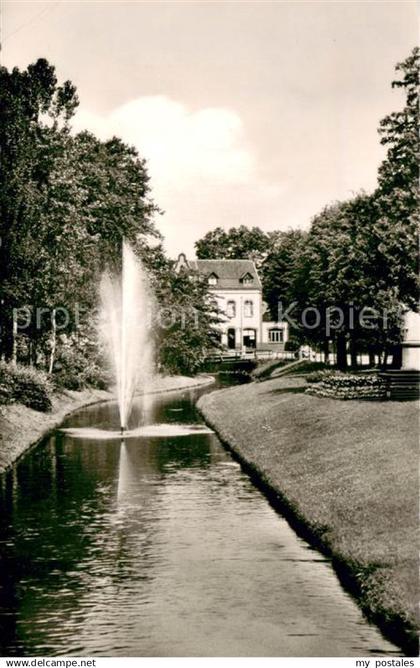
point(125, 315)
point(125, 309)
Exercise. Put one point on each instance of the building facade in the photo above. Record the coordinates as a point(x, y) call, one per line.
point(237, 290)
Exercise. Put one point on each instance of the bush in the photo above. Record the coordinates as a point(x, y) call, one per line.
point(25, 385)
point(90, 376)
point(349, 386)
point(318, 376)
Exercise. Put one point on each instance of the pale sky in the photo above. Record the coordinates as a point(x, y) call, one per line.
point(256, 113)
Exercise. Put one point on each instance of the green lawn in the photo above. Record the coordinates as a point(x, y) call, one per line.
point(348, 471)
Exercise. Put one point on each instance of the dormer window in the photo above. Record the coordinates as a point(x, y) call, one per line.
point(181, 264)
point(213, 279)
point(247, 279)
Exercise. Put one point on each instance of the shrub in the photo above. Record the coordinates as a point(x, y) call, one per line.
point(318, 376)
point(349, 386)
point(25, 385)
point(78, 380)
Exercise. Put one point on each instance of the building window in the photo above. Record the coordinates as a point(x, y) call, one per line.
point(248, 308)
point(231, 309)
point(275, 335)
point(212, 280)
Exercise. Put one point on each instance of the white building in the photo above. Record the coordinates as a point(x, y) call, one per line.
point(238, 292)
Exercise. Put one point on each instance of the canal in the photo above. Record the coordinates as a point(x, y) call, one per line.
point(160, 546)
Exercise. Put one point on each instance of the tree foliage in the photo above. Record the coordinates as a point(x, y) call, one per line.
point(187, 324)
point(34, 112)
point(279, 269)
point(358, 254)
point(238, 243)
point(397, 195)
point(66, 203)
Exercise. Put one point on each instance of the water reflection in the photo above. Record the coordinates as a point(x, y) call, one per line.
point(159, 547)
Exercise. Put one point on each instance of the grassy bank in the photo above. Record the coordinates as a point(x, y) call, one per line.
point(346, 475)
point(22, 426)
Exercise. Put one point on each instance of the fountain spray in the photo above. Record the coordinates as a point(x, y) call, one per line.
point(126, 304)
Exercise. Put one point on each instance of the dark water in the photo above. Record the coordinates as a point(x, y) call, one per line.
point(160, 547)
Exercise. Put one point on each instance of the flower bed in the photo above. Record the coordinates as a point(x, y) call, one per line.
point(348, 386)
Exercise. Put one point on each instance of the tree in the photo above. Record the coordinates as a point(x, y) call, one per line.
point(278, 271)
point(334, 273)
point(397, 195)
point(185, 329)
point(65, 202)
point(363, 252)
point(32, 107)
point(113, 194)
point(242, 242)
point(398, 173)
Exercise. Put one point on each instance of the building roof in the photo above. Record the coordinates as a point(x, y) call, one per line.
point(230, 273)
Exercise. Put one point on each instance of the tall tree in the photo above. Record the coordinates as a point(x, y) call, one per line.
point(185, 326)
point(65, 203)
point(397, 195)
point(335, 274)
point(363, 253)
point(32, 107)
point(278, 271)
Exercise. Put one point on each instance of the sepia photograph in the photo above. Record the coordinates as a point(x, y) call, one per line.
point(209, 333)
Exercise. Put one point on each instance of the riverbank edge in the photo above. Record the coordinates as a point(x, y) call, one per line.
point(349, 572)
point(22, 428)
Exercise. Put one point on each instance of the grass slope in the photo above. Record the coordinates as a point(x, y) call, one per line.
point(347, 471)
